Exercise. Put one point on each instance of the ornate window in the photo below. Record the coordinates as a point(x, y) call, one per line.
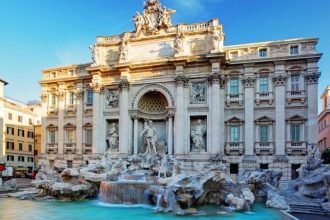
point(294, 50)
point(234, 87)
point(88, 134)
point(263, 84)
point(234, 133)
point(51, 134)
point(89, 97)
point(70, 134)
point(263, 52)
point(296, 129)
point(295, 82)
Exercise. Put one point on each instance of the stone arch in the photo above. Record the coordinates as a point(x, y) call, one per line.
point(153, 88)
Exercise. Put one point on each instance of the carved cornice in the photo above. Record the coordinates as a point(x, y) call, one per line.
point(312, 77)
point(97, 87)
point(279, 80)
point(248, 82)
point(181, 80)
point(124, 84)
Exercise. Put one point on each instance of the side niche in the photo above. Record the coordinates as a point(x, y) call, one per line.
point(112, 136)
point(198, 134)
point(112, 98)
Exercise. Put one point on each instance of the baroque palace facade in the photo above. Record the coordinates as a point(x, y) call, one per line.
point(180, 90)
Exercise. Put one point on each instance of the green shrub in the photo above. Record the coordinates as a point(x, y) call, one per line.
point(326, 156)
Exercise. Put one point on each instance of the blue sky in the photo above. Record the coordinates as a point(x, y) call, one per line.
point(37, 34)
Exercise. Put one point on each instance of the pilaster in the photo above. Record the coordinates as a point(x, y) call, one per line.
point(124, 126)
point(61, 107)
point(79, 118)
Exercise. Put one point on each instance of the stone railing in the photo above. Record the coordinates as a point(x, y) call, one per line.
point(70, 148)
point(264, 97)
point(264, 148)
point(108, 40)
point(296, 95)
point(52, 110)
point(296, 148)
point(195, 27)
point(51, 148)
point(234, 98)
point(234, 148)
point(70, 109)
point(87, 148)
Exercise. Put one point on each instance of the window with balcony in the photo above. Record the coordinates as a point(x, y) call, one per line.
point(88, 136)
point(295, 132)
point(70, 134)
point(234, 87)
point(72, 98)
point(89, 97)
point(52, 100)
point(264, 133)
point(51, 137)
point(263, 52)
point(294, 50)
point(234, 134)
point(263, 84)
point(295, 82)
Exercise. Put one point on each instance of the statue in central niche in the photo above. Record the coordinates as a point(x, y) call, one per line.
point(150, 139)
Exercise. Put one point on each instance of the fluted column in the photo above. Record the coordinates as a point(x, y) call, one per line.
point(124, 118)
point(249, 115)
point(280, 95)
point(79, 118)
point(179, 116)
point(214, 80)
point(61, 107)
point(44, 103)
point(222, 99)
point(312, 77)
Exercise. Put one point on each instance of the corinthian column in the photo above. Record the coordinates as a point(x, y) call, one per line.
point(249, 116)
point(79, 118)
point(61, 106)
point(179, 116)
point(214, 80)
point(124, 118)
point(97, 89)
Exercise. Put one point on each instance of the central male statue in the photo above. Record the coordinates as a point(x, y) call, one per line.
point(150, 138)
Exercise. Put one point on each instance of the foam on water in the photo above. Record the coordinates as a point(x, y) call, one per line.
point(125, 205)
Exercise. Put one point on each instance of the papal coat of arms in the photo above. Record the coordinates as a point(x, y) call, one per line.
point(154, 18)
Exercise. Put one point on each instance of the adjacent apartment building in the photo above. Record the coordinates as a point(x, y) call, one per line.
point(324, 121)
point(17, 131)
point(253, 104)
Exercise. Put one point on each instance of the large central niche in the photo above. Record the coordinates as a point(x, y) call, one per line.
point(153, 102)
point(152, 106)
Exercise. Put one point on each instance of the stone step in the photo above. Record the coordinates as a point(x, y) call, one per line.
point(308, 209)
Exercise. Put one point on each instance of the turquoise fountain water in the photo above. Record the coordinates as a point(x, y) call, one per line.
point(12, 209)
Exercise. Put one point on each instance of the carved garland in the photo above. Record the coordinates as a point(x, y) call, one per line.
point(249, 82)
point(279, 80)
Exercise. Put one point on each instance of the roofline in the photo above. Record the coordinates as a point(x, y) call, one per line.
point(326, 89)
point(72, 66)
point(3, 81)
point(275, 42)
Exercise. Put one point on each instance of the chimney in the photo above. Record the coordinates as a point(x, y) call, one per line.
point(2, 87)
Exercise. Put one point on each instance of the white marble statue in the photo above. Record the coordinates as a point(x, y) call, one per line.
point(150, 138)
point(197, 136)
point(165, 18)
point(216, 38)
point(124, 50)
point(179, 44)
point(198, 93)
point(139, 23)
point(112, 138)
point(112, 99)
point(94, 52)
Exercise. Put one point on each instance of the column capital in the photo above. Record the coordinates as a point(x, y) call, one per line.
point(248, 81)
point(44, 97)
point(79, 93)
point(97, 87)
point(181, 80)
point(312, 77)
point(279, 80)
point(60, 95)
point(124, 84)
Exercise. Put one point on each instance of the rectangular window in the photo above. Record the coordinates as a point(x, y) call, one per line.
point(30, 147)
point(10, 158)
point(263, 132)
point(233, 168)
point(295, 81)
point(30, 159)
point(69, 164)
point(30, 121)
point(20, 119)
point(263, 84)
point(294, 49)
point(51, 137)
point(70, 136)
point(30, 134)
point(234, 87)
point(53, 100)
point(263, 52)
point(89, 136)
point(10, 145)
point(264, 166)
point(21, 158)
point(10, 131)
point(72, 98)
point(20, 146)
point(89, 97)
point(234, 133)
point(20, 132)
point(295, 133)
point(10, 116)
